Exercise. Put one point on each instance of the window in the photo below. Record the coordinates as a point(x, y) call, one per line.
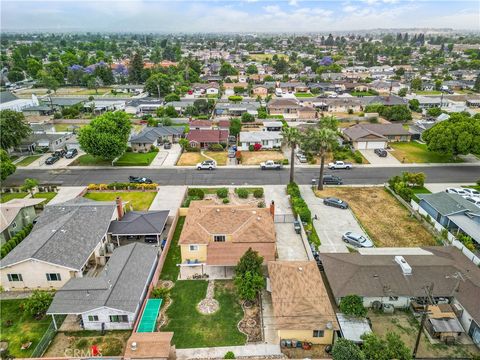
point(53, 277)
point(92, 317)
point(193, 247)
point(393, 298)
point(14, 225)
point(14, 277)
point(219, 238)
point(118, 318)
point(317, 333)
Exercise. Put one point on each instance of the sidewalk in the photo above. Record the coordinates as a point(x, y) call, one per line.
point(251, 350)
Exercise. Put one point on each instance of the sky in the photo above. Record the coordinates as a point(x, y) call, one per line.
point(173, 16)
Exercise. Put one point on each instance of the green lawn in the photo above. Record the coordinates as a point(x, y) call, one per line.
point(363, 93)
point(419, 190)
point(304, 95)
point(136, 159)
point(139, 200)
point(5, 197)
point(427, 92)
point(192, 329)
point(47, 195)
point(89, 160)
point(67, 127)
point(414, 152)
point(170, 269)
point(28, 160)
point(23, 327)
point(476, 187)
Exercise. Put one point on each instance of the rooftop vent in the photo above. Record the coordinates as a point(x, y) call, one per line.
point(406, 269)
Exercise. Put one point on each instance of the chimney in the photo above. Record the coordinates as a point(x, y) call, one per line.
point(272, 209)
point(118, 200)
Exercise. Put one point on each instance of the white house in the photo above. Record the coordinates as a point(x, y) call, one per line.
point(268, 139)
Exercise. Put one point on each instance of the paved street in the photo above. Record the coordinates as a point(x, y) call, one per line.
point(240, 176)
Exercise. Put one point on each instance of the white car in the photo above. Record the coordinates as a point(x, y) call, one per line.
point(473, 200)
point(207, 165)
point(472, 192)
point(301, 158)
point(458, 191)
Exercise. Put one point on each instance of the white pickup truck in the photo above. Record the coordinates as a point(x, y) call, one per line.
point(271, 165)
point(337, 165)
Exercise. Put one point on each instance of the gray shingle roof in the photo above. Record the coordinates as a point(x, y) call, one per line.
point(258, 136)
point(65, 234)
point(150, 134)
point(120, 285)
point(447, 204)
point(140, 223)
point(6, 96)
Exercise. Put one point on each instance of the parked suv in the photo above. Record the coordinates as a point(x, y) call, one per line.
point(52, 159)
point(71, 153)
point(60, 153)
point(381, 152)
point(332, 180)
point(207, 165)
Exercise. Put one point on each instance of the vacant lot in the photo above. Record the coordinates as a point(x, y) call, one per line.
point(18, 326)
point(256, 157)
point(5, 197)
point(192, 329)
point(264, 57)
point(28, 160)
point(193, 158)
point(136, 159)
point(405, 325)
point(385, 220)
point(414, 152)
point(140, 201)
point(89, 160)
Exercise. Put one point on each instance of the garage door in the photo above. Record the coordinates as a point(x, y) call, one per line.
point(361, 145)
point(375, 145)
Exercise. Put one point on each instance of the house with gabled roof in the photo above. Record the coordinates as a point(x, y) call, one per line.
point(375, 136)
point(153, 136)
point(15, 215)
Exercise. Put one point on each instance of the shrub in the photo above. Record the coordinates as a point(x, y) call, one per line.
point(353, 305)
point(38, 303)
point(373, 120)
point(258, 193)
point(246, 117)
point(222, 193)
point(285, 162)
point(257, 147)
point(261, 204)
point(188, 200)
point(250, 148)
point(225, 201)
point(293, 189)
point(160, 293)
point(242, 193)
point(344, 349)
point(229, 355)
point(199, 193)
point(129, 149)
point(80, 344)
point(215, 147)
point(350, 111)
point(357, 157)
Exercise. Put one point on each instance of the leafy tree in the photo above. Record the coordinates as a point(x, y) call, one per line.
point(377, 348)
point(33, 67)
point(416, 84)
point(249, 285)
point(183, 143)
point(172, 97)
point(344, 349)
point(158, 84)
point(434, 111)
point(281, 66)
point(13, 129)
point(397, 348)
point(252, 69)
point(246, 117)
point(235, 126)
point(106, 136)
point(170, 111)
point(135, 71)
point(402, 92)
point(414, 105)
point(227, 69)
point(291, 136)
point(396, 113)
point(7, 167)
point(104, 73)
point(353, 305)
point(476, 85)
point(249, 262)
point(37, 304)
point(30, 184)
point(15, 75)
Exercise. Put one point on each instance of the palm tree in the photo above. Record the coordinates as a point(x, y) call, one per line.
point(291, 136)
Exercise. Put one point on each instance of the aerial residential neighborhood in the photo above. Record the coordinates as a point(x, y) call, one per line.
point(240, 180)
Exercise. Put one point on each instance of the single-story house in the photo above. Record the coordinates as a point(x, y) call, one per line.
point(375, 136)
point(50, 141)
point(286, 107)
point(42, 128)
point(200, 124)
point(306, 113)
point(337, 105)
point(301, 306)
point(268, 139)
point(15, 215)
point(8, 101)
point(205, 89)
point(260, 90)
point(113, 299)
point(182, 105)
point(225, 108)
point(231, 87)
point(390, 100)
point(453, 212)
point(399, 276)
point(153, 136)
point(272, 126)
point(65, 242)
point(203, 138)
point(38, 110)
point(215, 237)
point(427, 102)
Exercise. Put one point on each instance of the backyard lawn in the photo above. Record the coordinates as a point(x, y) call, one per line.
point(89, 160)
point(192, 329)
point(136, 159)
point(28, 160)
point(140, 201)
point(17, 326)
point(414, 152)
point(304, 95)
point(5, 197)
point(193, 158)
point(256, 157)
point(47, 195)
point(385, 220)
point(170, 269)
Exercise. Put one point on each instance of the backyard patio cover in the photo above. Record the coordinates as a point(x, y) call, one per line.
point(140, 223)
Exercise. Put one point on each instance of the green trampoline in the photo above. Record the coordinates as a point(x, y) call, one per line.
point(149, 316)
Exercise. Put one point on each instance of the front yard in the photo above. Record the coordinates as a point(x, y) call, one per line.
point(193, 158)
point(17, 327)
point(192, 329)
point(139, 200)
point(256, 157)
point(28, 160)
point(45, 195)
point(414, 152)
point(89, 160)
point(384, 219)
point(136, 159)
point(5, 197)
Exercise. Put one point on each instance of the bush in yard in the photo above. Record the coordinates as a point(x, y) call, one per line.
point(199, 193)
point(257, 147)
point(225, 201)
point(229, 355)
point(344, 349)
point(160, 293)
point(293, 189)
point(242, 193)
point(246, 117)
point(258, 193)
point(215, 147)
point(353, 305)
point(357, 157)
point(248, 275)
point(261, 204)
point(285, 162)
point(222, 193)
point(250, 148)
point(37, 304)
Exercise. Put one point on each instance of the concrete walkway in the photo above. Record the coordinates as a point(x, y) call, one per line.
point(168, 198)
point(252, 350)
point(66, 193)
point(278, 194)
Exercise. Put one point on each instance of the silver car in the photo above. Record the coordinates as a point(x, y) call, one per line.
point(357, 240)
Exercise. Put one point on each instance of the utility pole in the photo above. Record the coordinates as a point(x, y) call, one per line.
point(428, 291)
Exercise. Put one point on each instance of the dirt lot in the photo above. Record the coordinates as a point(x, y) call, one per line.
point(385, 220)
point(405, 325)
point(193, 158)
point(256, 157)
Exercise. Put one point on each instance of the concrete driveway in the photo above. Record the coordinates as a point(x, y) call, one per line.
point(289, 244)
point(374, 159)
point(40, 162)
point(167, 157)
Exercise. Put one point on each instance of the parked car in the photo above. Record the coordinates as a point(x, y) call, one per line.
point(381, 152)
point(357, 240)
point(151, 239)
point(271, 165)
point(52, 159)
point(338, 165)
point(140, 180)
point(60, 152)
point(207, 165)
point(332, 180)
point(472, 192)
point(335, 202)
point(167, 145)
point(474, 200)
point(302, 158)
point(232, 152)
point(458, 191)
point(71, 153)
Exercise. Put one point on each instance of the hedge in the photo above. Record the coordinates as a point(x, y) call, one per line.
point(15, 240)
point(242, 193)
point(222, 193)
point(300, 208)
point(199, 193)
point(122, 186)
point(258, 193)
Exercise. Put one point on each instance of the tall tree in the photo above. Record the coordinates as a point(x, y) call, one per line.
point(7, 167)
point(344, 349)
point(291, 136)
point(13, 129)
point(158, 85)
point(248, 275)
point(135, 71)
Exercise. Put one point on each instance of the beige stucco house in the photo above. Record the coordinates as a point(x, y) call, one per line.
point(15, 215)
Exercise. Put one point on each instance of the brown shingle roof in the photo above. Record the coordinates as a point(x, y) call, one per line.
point(282, 103)
point(300, 300)
point(228, 254)
point(359, 131)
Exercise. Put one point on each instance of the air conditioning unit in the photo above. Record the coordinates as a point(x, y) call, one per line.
point(406, 268)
